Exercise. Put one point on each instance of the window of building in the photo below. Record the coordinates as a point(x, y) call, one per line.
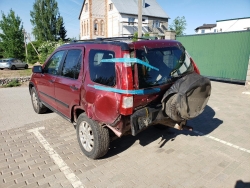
point(203, 31)
point(72, 64)
point(87, 27)
point(84, 28)
point(52, 67)
point(102, 72)
point(102, 27)
point(110, 6)
point(215, 30)
point(156, 23)
point(86, 7)
point(131, 21)
point(96, 27)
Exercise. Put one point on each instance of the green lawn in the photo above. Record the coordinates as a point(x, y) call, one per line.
point(6, 73)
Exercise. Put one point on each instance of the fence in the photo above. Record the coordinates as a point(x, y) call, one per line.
point(223, 56)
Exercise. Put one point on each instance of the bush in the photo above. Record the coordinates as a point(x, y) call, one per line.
point(47, 48)
point(135, 36)
point(13, 83)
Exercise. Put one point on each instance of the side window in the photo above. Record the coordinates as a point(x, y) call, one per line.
point(52, 66)
point(102, 72)
point(72, 64)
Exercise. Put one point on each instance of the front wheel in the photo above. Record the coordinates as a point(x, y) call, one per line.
point(26, 66)
point(37, 105)
point(92, 138)
point(13, 67)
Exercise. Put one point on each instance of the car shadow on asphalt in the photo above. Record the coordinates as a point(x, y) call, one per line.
point(205, 123)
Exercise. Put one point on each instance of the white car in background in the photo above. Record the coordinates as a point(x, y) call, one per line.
point(12, 63)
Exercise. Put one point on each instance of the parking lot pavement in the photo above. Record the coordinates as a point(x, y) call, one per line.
point(45, 153)
point(16, 108)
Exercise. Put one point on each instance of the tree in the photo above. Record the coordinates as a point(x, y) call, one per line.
point(11, 38)
point(62, 31)
point(178, 25)
point(46, 20)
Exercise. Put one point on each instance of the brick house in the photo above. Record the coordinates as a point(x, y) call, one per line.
point(116, 18)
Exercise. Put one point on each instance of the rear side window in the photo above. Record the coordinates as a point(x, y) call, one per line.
point(72, 64)
point(102, 72)
point(52, 66)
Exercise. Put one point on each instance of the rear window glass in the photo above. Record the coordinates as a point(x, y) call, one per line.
point(171, 62)
point(102, 72)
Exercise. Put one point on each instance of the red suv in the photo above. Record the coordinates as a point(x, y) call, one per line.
point(113, 86)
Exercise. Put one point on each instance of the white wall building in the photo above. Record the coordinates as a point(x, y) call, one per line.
point(236, 24)
point(206, 28)
point(116, 18)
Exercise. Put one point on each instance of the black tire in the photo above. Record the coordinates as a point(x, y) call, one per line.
point(1, 69)
point(92, 138)
point(171, 110)
point(26, 66)
point(13, 67)
point(36, 103)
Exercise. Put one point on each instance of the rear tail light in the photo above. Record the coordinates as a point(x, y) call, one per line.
point(127, 104)
point(127, 100)
point(196, 69)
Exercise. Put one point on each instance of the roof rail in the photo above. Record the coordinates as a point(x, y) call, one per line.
point(114, 39)
point(119, 38)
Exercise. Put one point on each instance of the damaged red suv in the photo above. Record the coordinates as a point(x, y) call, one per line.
point(113, 86)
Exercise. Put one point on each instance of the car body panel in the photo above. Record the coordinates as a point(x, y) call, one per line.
point(67, 90)
point(100, 105)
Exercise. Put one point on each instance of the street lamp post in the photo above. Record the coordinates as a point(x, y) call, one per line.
point(24, 38)
point(139, 18)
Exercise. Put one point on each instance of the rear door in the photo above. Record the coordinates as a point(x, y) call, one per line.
point(19, 63)
point(46, 82)
point(67, 85)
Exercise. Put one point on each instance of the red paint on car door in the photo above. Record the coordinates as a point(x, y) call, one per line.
point(68, 84)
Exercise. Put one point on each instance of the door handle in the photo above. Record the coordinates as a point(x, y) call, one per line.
point(51, 81)
point(73, 87)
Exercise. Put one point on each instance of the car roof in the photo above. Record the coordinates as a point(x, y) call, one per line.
point(124, 42)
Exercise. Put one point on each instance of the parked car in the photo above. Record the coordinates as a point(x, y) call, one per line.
point(12, 63)
point(111, 86)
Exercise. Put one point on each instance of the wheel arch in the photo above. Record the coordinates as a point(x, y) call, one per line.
point(76, 112)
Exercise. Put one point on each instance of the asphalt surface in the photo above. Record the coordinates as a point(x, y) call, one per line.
point(42, 150)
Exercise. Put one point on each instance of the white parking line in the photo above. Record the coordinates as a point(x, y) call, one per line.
point(246, 93)
point(73, 179)
point(222, 141)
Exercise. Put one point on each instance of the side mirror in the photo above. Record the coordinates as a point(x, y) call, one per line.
point(37, 69)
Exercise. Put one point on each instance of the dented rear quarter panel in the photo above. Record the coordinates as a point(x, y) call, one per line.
point(102, 106)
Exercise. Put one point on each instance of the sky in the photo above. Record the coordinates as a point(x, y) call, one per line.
point(196, 12)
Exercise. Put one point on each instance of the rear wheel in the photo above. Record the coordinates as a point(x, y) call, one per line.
point(92, 138)
point(37, 105)
point(26, 66)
